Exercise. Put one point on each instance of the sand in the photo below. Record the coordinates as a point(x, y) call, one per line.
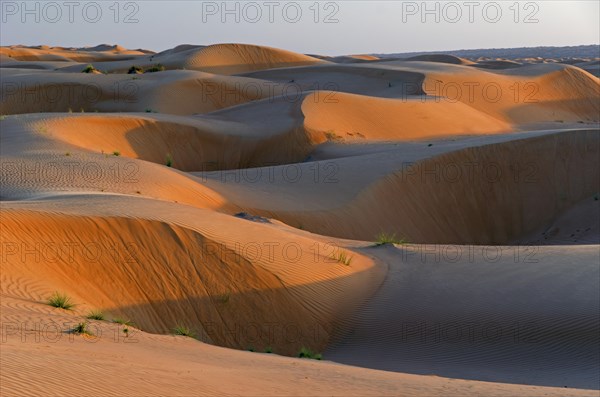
point(239, 192)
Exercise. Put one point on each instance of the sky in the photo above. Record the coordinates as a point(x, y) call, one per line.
point(314, 27)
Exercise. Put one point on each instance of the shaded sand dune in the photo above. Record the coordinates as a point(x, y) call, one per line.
point(500, 314)
point(441, 58)
point(181, 92)
point(579, 225)
point(472, 191)
point(240, 198)
point(178, 366)
point(224, 59)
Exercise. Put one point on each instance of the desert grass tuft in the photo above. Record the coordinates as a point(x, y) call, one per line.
point(385, 238)
point(182, 330)
point(82, 328)
point(307, 353)
point(122, 321)
point(155, 68)
point(95, 315)
point(341, 257)
point(61, 301)
point(89, 69)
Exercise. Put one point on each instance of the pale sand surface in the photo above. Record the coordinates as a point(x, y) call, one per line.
point(280, 163)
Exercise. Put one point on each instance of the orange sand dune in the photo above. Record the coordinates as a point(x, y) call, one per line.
point(191, 144)
point(177, 265)
point(94, 54)
point(239, 58)
point(527, 94)
point(351, 117)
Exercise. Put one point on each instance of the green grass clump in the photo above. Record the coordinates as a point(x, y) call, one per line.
point(332, 136)
point(268, 350)
point(2, 117)
point(341, 257)
point(385, 238)
point(169, 162)
point(95, 315)
point(89, 69)
point(135, 70)
point(116, 153)
point(183, 331)
point(122, 321)
point(307, 353)
point(61, 301)
point(82, 328)
point(155, 68)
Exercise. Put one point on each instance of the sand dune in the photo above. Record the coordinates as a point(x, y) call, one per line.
point(180, 366)
point(478, 312)
point(239, 193)
point(441, 58)
point(92, 54)
point(210, 274)
point(427, 194)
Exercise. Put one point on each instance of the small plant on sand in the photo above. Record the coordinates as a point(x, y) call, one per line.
point(155, 68)
point(95, 315)
point(268, 349)
point(332, 136)
point(89, 69)
point(169, 162)
point(250, 349)
point(341, 257)
point(82, 328)
point(122, 321)
point(307, 353)
point(2, 117)
point(116, 153)
point(68, 154)
point(183, 331)
point(135, 70)
point(61, 301)
point(385, 238)
point(224, 298)
point(126, 332)
point(70, 110)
